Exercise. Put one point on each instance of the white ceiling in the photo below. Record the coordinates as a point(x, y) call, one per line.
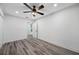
point(11, 8)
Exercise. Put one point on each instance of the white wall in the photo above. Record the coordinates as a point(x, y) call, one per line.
point(61, 28)
point(1, 37)
point(14, 28)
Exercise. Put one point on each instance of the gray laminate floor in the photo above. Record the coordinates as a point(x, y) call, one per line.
point(33, 47)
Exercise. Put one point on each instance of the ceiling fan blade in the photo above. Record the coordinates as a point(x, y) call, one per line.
point(26, 11)
point(41, 7)
point(27, 5)
point(40, 13)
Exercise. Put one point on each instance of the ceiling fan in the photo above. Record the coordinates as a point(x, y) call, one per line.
point(34, 9)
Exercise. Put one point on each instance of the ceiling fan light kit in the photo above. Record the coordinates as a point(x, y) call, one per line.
point(34, 14)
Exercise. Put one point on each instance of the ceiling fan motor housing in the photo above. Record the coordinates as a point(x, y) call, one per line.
point(34, 9)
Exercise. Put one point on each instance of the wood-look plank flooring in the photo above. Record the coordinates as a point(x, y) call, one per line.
point(33, 47)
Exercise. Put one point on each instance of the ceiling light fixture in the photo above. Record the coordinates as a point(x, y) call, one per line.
point(17, 12)
point(55, 5)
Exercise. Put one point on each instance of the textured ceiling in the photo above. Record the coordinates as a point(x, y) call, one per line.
point(11, 8)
